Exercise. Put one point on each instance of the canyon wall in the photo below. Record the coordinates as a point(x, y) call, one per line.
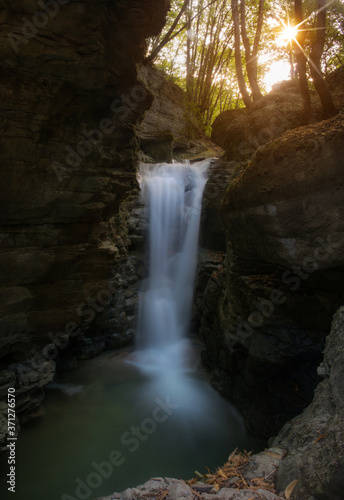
point(70, 99)
point(268, 312)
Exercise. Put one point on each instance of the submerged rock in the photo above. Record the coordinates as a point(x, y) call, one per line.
point(28, 379)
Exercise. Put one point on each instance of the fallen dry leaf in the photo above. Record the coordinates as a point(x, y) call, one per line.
point(290, 488)
point(221, 473)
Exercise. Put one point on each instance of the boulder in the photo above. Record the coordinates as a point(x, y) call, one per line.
point(240, 132)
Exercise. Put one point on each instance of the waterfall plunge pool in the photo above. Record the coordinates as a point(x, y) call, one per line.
point(108, 426)
point(113, 424)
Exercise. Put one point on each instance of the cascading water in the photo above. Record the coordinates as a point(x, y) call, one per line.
point(173, 197)
point(172, 194)
point(160, 416)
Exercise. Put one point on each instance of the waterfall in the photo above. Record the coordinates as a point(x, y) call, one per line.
point(172, 194)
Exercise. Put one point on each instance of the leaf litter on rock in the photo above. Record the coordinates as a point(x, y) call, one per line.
point(230, 475)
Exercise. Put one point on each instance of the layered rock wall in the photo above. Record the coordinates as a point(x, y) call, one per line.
point(170, 128)
point(70, 98)
point(283, 277)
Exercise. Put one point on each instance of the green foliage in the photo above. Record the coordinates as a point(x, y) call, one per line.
point(200, 59)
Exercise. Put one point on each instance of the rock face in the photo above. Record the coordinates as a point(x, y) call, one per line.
point(212, 246)
point(283, 277)
point(314, 440)
point(169, 128)
point(70, 98)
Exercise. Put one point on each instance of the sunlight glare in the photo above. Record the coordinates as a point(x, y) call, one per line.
point(287, 35)
point(279, 71)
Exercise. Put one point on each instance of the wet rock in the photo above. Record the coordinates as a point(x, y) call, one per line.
point(114, 325)
point(212, 230)
point(212, 244)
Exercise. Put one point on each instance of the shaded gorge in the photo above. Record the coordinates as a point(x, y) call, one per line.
point(122, 418)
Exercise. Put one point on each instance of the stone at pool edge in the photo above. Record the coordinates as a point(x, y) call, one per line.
point(261, 465)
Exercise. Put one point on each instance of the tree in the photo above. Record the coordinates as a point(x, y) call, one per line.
point(301, 62)
point(252, 57)
point(215, 49)
point(333, 54)
point(168, 36)
point(251, 54)
point(237, 54)
point(317, 49)
point(208, 56)
point(315, 63)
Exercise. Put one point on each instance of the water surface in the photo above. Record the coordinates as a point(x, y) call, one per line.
point(148, 425)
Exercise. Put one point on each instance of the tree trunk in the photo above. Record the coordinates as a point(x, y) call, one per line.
point(167, 37)
point(237, 55)
point(301, 64)
point(320, 84)
point(251, 58)
point(256, 45)
point(189, 69)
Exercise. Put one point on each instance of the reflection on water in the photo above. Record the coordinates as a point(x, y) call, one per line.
point(109, 427)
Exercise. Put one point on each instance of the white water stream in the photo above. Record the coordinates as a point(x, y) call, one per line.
point(173, 196)
point(158, 413)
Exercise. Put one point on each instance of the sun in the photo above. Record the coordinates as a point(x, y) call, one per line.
point(287, 35)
